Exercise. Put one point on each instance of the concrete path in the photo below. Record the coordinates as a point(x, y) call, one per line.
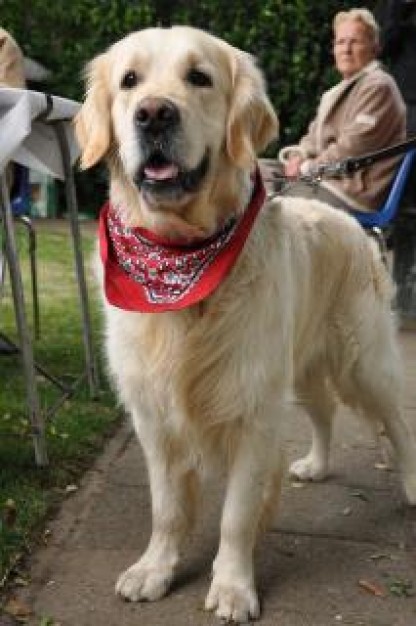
point(340, 552)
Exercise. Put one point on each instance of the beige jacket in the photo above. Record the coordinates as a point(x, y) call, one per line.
point(359, 115)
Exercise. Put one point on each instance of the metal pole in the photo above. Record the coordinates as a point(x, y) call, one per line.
point(26, 348)
point(71, 201)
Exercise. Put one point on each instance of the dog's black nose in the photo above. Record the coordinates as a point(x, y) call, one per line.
point(156, 115)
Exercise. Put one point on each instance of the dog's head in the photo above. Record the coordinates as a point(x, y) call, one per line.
point(178, 114)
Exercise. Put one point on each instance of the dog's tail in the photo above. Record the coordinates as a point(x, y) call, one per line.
point(380, 267)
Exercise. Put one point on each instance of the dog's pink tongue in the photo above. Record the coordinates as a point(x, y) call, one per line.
point(163, 172)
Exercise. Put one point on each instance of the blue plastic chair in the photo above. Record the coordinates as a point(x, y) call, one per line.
point(386, 214)
point(20, 194)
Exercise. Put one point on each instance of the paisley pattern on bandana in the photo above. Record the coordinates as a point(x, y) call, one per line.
point(166, 272)
point(144, 273)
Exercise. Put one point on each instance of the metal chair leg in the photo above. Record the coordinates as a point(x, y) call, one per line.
point(26, 349)
point(26, 221)
point(71, 202)
point(33, 272)
point(2, 267)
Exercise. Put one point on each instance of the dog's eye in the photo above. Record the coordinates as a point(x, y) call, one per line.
point(129, 80)
point(197, 78)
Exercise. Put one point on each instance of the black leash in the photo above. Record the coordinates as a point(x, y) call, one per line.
point(353, 164)
point(348, 166)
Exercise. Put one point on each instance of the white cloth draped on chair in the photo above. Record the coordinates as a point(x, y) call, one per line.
point(26, 138)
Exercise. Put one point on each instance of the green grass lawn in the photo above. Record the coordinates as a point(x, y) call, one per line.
point(76, 434)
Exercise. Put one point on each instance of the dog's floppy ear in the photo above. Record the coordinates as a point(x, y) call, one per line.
point(93, 121)
point(252, 122)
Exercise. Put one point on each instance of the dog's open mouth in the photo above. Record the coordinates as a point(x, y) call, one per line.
point(160, 176)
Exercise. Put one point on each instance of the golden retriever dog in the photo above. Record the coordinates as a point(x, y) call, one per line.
point(222, 307)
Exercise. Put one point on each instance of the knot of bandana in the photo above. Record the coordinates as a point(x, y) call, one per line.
point(143, 273)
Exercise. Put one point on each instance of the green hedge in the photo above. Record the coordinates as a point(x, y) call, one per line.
point(292, 40)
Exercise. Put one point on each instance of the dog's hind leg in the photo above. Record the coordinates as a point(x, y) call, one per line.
point(378, 386)
point(318, 400)
point(253, 472)
point(174, 491)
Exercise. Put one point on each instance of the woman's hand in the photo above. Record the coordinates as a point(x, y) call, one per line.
point(292, 166)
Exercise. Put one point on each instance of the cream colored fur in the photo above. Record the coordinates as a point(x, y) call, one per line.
point(306, 310)
point(12, 73)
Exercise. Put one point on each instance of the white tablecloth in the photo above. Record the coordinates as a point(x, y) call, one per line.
point(31, 141)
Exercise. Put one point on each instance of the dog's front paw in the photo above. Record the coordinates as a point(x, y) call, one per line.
point(143, 582)
point(308, 468)
point(233, 603)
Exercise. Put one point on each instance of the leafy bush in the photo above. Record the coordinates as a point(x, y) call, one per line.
point(292, 41)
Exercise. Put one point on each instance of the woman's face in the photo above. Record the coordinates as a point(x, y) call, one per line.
point(353, 47)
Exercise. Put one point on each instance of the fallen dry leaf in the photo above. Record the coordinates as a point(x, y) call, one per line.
point(378, 556)
point(382, 466)
point(71, 488)
point(17, 608)
point(297, 484)
point(21, 581)
point(373, 588)
point(359, 494)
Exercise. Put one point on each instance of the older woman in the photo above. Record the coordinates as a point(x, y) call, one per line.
point(363, 113)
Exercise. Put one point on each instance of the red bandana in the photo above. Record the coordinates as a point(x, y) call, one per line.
point(143, 273)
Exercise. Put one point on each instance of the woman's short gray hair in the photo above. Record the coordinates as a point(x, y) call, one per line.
point(362, 15)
